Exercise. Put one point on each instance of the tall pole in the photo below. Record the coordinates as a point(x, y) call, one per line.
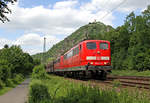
point(44, 50)
point(44, 47)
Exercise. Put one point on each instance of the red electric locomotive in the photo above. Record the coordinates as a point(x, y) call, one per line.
point(90, 58)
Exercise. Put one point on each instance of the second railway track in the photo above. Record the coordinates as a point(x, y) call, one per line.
point(130, 81)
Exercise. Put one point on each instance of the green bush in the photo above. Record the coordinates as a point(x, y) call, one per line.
point(17, 78)
point(5, 70)
point(10, 83)
point(39, 72)
point(81, 95)
point(2, 84)
point(60, 90)
point(38, 93)
point(130, 73)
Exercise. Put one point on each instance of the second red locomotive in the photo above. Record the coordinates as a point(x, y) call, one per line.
point(90, 58)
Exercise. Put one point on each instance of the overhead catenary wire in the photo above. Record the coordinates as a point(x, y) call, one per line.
point(121, 3)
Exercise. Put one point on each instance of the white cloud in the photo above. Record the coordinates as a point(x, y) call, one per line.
point(33, 39)
point(132, 5)
point(31, 43)
point(121, 5)
point(32, 51)
point(62, 18)
point(29, 40)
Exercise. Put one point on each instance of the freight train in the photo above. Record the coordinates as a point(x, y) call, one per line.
point(88, 59)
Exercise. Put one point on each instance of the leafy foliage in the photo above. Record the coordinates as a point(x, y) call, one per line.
point(130, 42)
point(61, 90)
point(38, 92)
point(2, 84)
point(14, 65)
point(39, 72)
point(17, 78)
point(4, 9)
point(10, 83)
point(37, 61)
point(130, 73)
point(5, 70)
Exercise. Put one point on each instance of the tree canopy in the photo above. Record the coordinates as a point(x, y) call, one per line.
point(4, 9)
point(130, 43)
point(14, 62)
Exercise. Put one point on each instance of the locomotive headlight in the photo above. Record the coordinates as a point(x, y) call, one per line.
point(91, 58)
point(104, 58)
point(91, 62)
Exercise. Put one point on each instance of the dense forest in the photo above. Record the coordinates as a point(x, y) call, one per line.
point(130, 43)
point(14, 65)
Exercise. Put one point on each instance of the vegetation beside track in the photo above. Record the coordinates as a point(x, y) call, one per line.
point(15, 65)
point(130, 73)
point(4, 90)
point(8, 88)
point(54, 89)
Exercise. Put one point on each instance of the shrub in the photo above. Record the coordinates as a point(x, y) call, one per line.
point(38, 93)
point(39, 72)
point(85, 94)
point(9, 83)
point(59, 90)
point(2, 84)
point(18, 78)
point(5, 70)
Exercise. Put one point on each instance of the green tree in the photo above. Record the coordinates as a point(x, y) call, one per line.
point(6, 46)
point(4, 9)
point(5, 70)
point(130, 42)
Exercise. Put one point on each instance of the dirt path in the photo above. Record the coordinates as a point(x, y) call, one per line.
point(16, 95)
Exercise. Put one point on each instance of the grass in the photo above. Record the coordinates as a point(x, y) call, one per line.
point(65, 91)
point(6, 89)
point(130, 73)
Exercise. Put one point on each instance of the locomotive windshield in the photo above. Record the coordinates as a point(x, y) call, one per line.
point(91, 45)
point(103, 46)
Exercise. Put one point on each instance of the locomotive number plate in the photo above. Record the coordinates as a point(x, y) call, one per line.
point(98, 58)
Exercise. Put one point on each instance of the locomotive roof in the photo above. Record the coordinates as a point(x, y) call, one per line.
point(85, 42)
point(82, 42)
point(94, 41)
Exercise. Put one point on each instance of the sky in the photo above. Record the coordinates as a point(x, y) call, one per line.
point(32, 20)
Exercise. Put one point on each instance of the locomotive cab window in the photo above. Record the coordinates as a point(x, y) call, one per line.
point(91, 45)
point(80, 47)
point(104, 46)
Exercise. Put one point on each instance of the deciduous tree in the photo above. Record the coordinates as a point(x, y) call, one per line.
point(4, 9)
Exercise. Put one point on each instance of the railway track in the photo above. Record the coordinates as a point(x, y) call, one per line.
point(123, 81)
point(130, 81)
